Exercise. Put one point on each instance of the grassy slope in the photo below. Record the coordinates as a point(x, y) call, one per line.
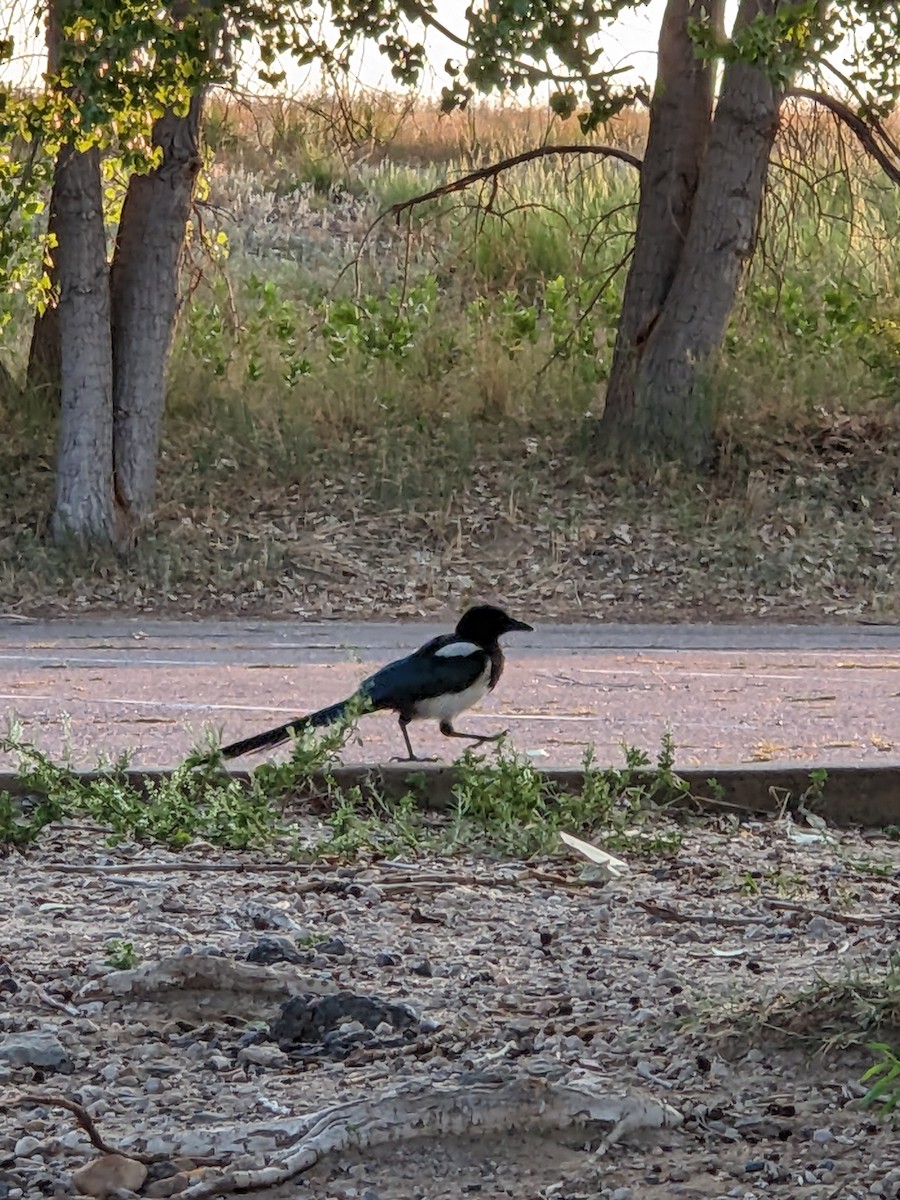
point(420, 429)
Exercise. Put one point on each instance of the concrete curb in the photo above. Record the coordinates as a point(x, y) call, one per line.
point(863, 795)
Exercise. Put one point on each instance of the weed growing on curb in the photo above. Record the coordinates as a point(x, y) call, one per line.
point(501, 805)
point(197, 800)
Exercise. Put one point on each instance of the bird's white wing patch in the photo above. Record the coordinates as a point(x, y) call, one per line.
point(458, 650)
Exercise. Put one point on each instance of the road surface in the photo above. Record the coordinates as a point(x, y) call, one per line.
point(728, 694)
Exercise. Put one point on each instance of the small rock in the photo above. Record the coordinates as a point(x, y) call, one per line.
point(26, 1146)
point(35, 1049)
point(387, 960)
point(822, 927)
point(106, 1174)
point(263, 1056)
point(170, 1186)
point(309, 1018)
point(160, 1170)
point(423, 968)
point(333, 948)
point(349, 1028)
point(263, 916)
point(823, 1136)
point(270, 950)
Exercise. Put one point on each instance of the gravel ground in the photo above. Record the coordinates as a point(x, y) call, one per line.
point(511, 970)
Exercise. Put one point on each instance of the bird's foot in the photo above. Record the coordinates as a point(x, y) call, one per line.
point(399, 758)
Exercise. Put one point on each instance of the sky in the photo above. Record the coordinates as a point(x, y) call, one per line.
point(632, 42)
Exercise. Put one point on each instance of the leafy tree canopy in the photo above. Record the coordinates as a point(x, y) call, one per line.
point(118, 64)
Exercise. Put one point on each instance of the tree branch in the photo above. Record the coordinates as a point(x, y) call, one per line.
point(851, 87)
point(492, 170)
point(860, 128)
point(81, 1115)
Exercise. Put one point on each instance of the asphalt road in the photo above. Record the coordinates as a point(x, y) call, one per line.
point(728, 693)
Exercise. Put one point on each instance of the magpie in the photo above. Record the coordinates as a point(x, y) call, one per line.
point(439, 681)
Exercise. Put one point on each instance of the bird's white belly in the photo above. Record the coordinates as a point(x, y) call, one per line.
point(451, 704)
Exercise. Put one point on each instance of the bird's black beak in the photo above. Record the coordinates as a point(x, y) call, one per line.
point(515, 626)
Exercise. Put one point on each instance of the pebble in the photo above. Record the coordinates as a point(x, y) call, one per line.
point(171, 1185)
point(349, 1028)
point(263, 1056)
point(108, 1174)
point(35, 1048)
point(26, 1146)
point(275, 949)
point(823, 1136)
point(333, 948)
point(822, 927)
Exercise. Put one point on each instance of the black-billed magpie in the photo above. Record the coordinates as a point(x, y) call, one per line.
point(439, 681)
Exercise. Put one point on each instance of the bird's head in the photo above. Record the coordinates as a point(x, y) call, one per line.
point(485, 623)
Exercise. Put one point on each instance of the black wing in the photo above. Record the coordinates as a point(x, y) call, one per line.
point(426, 674)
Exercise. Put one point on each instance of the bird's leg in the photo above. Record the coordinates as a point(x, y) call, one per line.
point(448, 731)
point(410, 757)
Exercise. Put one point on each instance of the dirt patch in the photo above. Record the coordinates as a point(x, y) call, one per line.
point(514, 972)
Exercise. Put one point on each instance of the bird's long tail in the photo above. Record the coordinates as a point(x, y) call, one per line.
point(274, 737)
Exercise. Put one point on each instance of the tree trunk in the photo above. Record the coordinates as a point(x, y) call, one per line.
point(672, 374)
point(84, 505)
point(680, 114)
point(144, 286)
point(667, 412)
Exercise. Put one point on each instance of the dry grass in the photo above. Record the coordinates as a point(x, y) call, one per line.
point(828, 1015)
point(788, 536)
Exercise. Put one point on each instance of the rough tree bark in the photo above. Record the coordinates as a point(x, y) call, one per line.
point(144, 285)
point(656, 403)
point(680, 113)
point(84, 505)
